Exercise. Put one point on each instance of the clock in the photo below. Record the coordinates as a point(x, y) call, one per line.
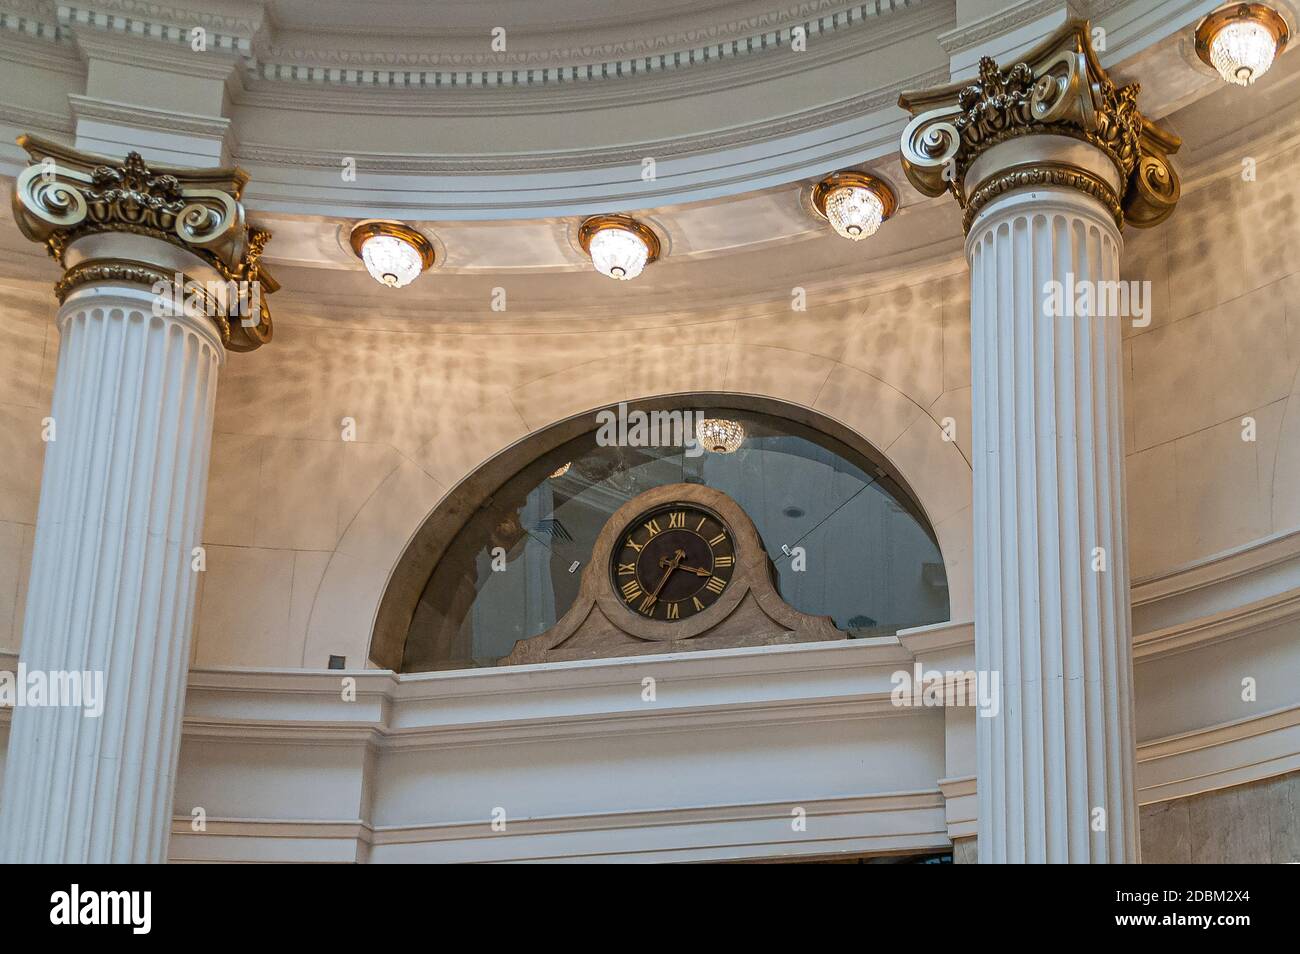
point(673, 561)
point(675, 569)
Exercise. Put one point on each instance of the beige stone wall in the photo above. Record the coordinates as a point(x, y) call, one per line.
point(303, 527)
point(1257, 823)
point(27, 364)
point(1223, 345)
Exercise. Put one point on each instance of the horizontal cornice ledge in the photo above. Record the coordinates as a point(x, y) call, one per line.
point(1219, 756)
point(1249, 559)
point(1276, 610)
point(808, 682)
point(640, 819)
point(1201, 760)
point(145, 117)
point(901, 821)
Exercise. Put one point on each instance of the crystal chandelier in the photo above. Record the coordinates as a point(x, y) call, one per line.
point(619, 246)
point(1241, 41)
point(854, 203)
point(394, 254)
point(561, 470)
point(719, 434)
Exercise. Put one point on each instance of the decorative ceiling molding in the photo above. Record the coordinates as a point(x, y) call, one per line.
point(242, 18)
point(249, 38)
point(820, 15)
point(144, 26)
point(637, 57)
point(565, 97)
point(143, 117)
point(35, 119)
point(1003, 21)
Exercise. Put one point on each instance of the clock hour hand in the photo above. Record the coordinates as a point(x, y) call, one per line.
point(678, 556)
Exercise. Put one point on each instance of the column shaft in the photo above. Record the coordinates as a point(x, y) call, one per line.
point(1051, 568)
point(112, 588)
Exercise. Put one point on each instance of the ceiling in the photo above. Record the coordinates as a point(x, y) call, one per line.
point(748, 247)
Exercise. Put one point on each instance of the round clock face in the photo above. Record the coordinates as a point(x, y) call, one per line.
point(673, 562)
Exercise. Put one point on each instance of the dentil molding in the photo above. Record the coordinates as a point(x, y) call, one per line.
point(250, 36)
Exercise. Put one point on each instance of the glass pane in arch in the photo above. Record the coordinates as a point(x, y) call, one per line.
point(844, 540)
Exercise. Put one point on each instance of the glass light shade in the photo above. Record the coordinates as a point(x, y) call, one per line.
point(1242, 51)
point(854, 212)
point(719, 434)
point(618, 253)
point(391, 261)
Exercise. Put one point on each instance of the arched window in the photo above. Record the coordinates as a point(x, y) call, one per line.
point(844, 536)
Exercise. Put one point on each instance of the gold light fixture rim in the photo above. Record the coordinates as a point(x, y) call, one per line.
point(853, 179)
point(598, 223)
point(370, 228)
point(1260, 13)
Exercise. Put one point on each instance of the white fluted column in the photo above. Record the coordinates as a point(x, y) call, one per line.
point(112, 588)
point(1048, 158)
point(161, 280)
point(1051, 571)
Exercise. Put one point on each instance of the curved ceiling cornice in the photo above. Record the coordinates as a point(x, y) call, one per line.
point(743, 111)
point(337, 44)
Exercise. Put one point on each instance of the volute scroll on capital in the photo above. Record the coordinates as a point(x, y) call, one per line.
point(1057, 88)
point(64, 195)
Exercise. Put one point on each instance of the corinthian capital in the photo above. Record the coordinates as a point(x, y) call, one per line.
point(1057, 88)
point(64, 197)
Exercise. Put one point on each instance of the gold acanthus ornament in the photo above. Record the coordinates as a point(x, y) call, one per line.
point(64, 195)
point(1057, 88)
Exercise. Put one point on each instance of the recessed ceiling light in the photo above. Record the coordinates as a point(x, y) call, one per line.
point(1241, 41)
point(854, 203)
point(619, 246)
point(394, 254)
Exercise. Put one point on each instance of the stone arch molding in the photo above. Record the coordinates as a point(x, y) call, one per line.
point(380, 565)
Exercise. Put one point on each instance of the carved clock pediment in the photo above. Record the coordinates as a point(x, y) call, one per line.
point(675, 569)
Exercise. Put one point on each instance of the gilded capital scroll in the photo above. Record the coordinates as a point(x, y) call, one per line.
point(65, 195)
point(1058, 88)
